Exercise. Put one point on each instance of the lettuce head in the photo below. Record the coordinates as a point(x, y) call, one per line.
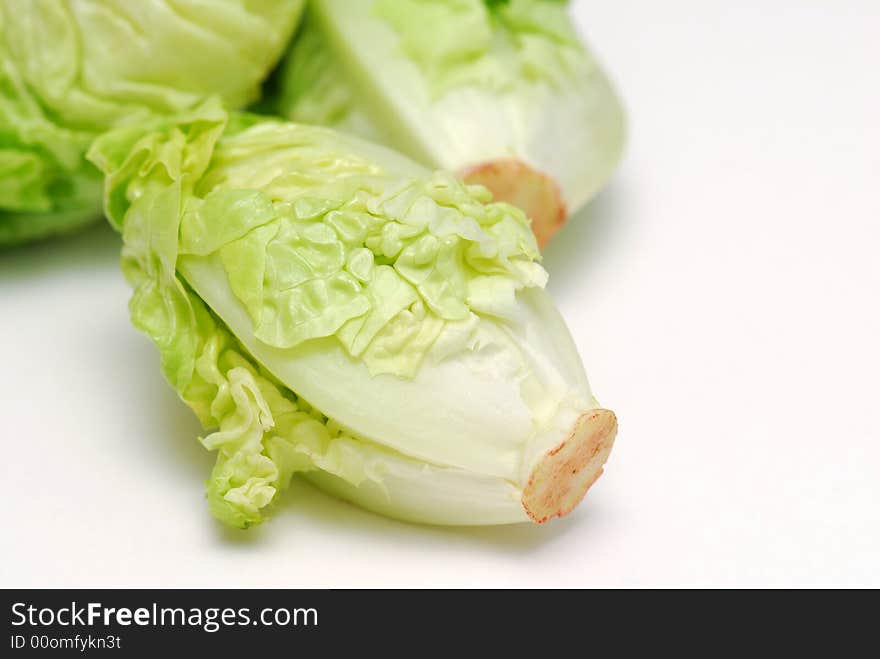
point(502, 92)
point(71, 69)
point(330, 308)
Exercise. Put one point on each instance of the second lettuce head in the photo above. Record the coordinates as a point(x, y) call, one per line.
point(501, 92)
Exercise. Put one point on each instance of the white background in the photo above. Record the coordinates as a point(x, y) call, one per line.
point(724, 294)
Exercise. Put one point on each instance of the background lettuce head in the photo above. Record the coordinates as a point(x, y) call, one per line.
point(502, 92)
point(71, 69)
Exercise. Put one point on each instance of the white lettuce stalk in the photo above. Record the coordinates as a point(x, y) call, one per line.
point(276, 263)
point(503, 92)
point(71, 69)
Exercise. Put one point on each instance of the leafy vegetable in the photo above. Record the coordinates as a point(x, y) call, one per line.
point(275, 263)
point(502, 92)
point(70, 69)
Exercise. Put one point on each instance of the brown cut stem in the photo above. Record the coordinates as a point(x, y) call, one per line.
point(562, 477)
point(516, 183)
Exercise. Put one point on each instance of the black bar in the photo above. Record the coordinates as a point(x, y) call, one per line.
point(385, 623)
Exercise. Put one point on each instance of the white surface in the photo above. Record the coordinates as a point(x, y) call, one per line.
point(724, 293)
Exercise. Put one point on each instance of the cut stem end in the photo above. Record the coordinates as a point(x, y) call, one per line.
point(562, 477)
point(518, 184)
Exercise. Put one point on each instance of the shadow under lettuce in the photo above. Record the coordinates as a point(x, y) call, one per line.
point(303, 504)
point(94, 247)
point(590, 237)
